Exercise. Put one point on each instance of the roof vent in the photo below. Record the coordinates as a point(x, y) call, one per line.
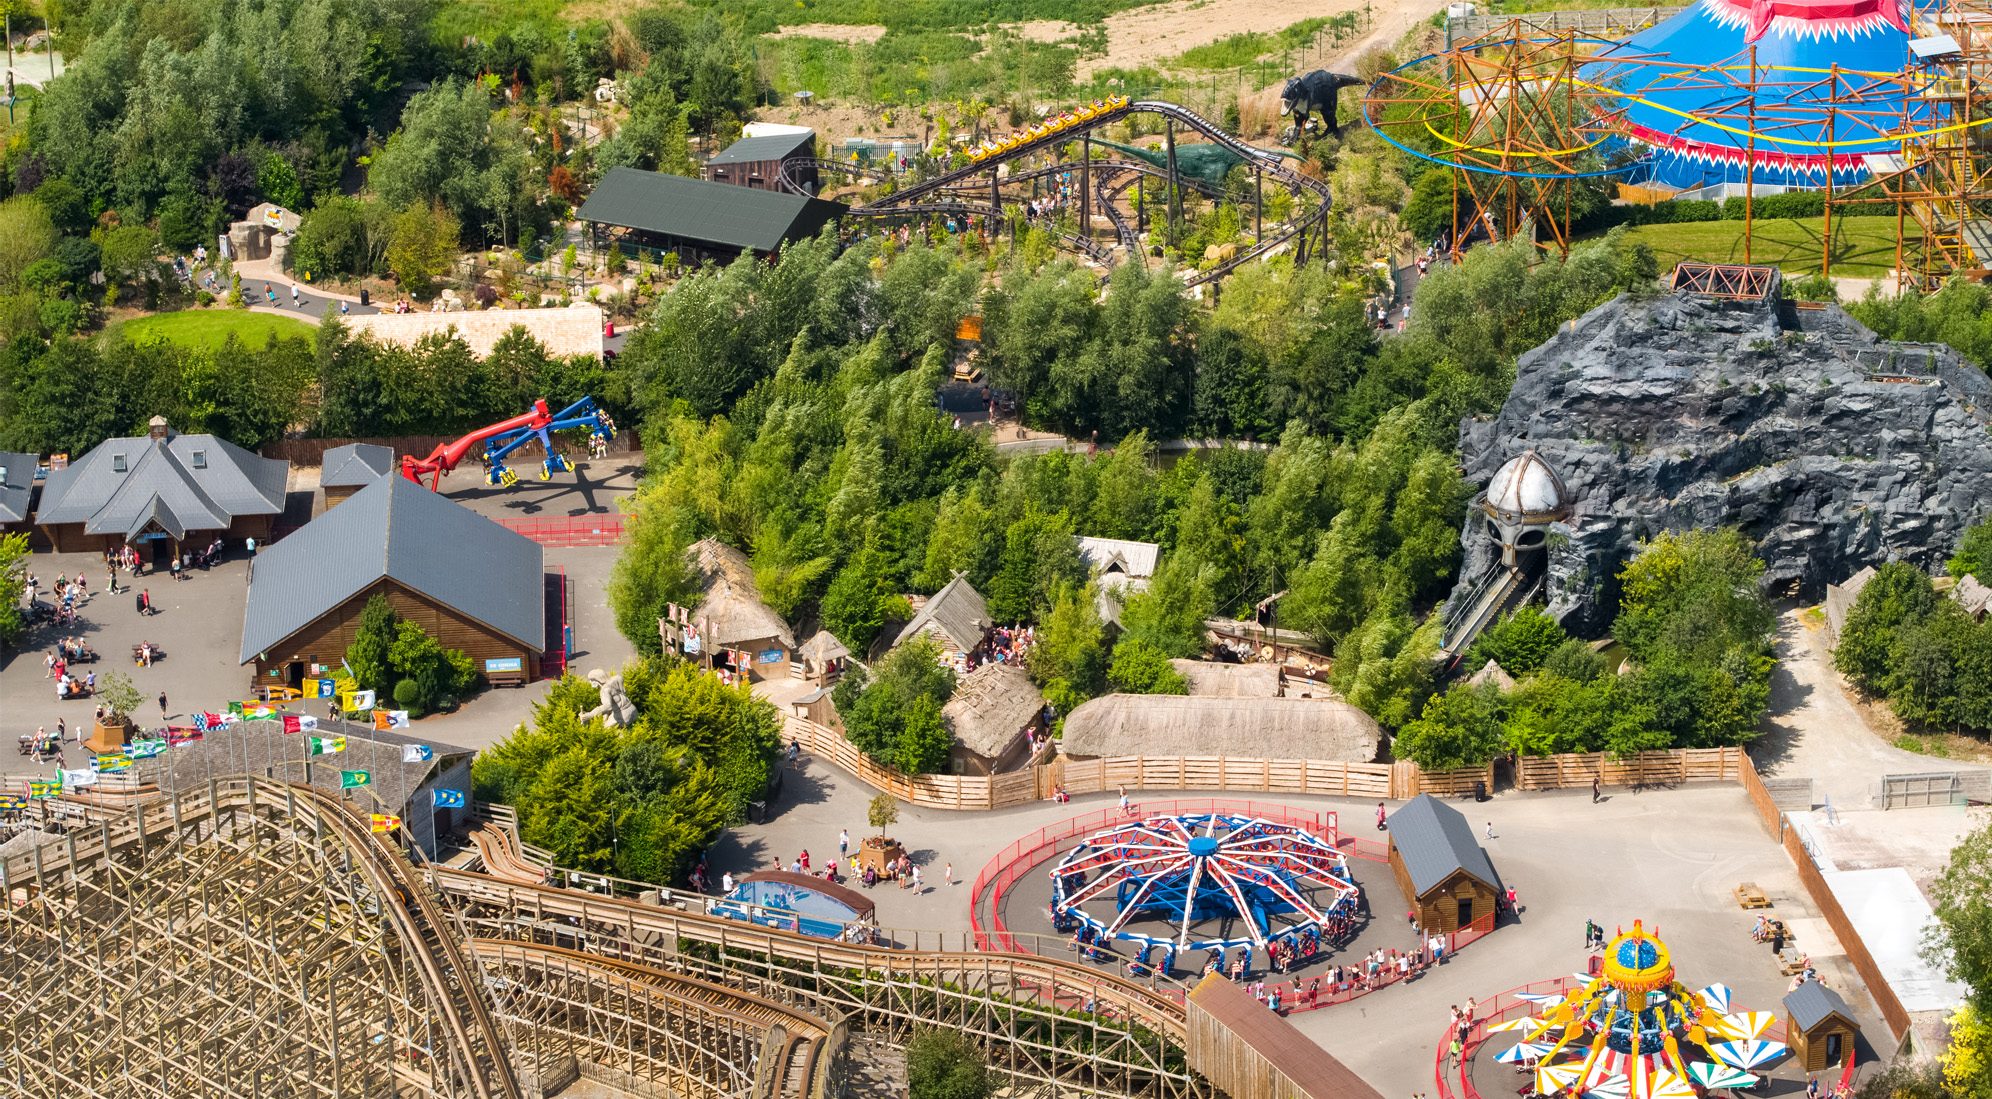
point(118, 462)
point(200, 459)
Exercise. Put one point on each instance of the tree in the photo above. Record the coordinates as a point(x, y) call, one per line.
point(1961, 940)
point(423, 247)
point(1140, 668)
point(1038, 552)
point(120, 698)
point(1460, 728)
point(944, 1064)
point(1519, 643)
point(130, 255)
point(855, 606)
point(882, 812)
point(448, 150)
point(1070, 658)
point(652, 572)
point(894, 715)
point(1898, 594)
point(1974, 553)
point(26, 234)
point(369, 656)
point(13, 582)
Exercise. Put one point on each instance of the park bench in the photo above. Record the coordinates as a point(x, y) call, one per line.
point(1749, 896)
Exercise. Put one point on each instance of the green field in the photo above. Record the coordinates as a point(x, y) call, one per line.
point(1863, 247)
point(209, 327)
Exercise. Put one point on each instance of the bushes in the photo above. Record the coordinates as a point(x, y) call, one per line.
point(943, 1064)
point(894, 716)
point(399, 659)
point(1905, 642)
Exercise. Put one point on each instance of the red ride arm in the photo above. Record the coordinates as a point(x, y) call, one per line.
point(445, 457)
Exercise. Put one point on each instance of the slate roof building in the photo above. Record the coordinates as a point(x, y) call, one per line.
point(1819, 1026)
point(352, 467)
point(993, 709)
point(1445, 875)
point(956, 617)
point(164, 491)
point(471, 583)
point(17, 490)
point(701, 220)
point(760, 161)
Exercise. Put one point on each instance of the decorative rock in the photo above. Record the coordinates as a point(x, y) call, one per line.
point(1830, 448)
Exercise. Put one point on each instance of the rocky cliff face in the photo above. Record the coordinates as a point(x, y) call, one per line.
point(1829, 447)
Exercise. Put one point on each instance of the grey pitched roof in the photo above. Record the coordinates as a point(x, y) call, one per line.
point(17, 484)
point(397, 529)
point(1434, 840)
point(186, 482)
point(1808, 1004)
point(765, 147)
point(957, 611)
point(717, 213)
point(356, 464)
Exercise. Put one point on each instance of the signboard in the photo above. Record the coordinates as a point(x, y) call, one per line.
point(274, 217)
point(504, 664)
point(770, 656)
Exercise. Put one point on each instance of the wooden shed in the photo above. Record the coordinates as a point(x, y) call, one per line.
point(1820, 1027)
point(471, 583)
point(1445, 875)
point(352, 467)
point(760, 162)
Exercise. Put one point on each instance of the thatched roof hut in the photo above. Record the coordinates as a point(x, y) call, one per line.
point(1216, 679)
point(1494, 673)
point(989, 713)
point(1188, 725)
point(732, 610)
point(956, 616)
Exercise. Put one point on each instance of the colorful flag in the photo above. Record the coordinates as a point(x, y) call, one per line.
point(206, 721)
point(449, 799)
point(390, 719)
point(326, 745)
point(146, 749)
point(295, 723)
point(75, 778)
point(251, 709)
point(325, 687)
point(417, 753)
point(41, 788)
point(235, 707)
point(362, 701)
point(110, 763)
point(12, 803)
point(177, 737)
point(350, 779)
point(385, 822)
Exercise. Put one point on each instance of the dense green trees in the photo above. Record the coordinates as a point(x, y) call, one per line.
point(894, 714)
point(1906, 642)
point(945, 1064)
point(640, 801)
point(398, 660)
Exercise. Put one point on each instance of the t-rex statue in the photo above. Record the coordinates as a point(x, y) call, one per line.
point(1314, 93)
point(1205, 162)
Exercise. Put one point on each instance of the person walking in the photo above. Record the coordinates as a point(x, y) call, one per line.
point(1490, 829)
point(1597, 789)
point(1380, 816)
point(62, 731)
point(111, 580)
point(726, 884)
point(162, 705)
point(915, 878)
point(843, 843)
point(947, 874)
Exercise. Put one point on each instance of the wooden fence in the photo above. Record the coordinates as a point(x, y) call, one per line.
point(1329, 778)
point(311, 452)
point(1666, 768)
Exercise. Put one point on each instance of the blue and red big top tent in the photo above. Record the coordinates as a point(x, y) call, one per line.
point(1687, 87)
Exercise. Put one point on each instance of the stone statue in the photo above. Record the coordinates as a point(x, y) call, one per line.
point(616, 710)
point(1312, 93)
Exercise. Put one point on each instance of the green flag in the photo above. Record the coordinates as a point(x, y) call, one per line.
point(350, 779)
point(326, 745)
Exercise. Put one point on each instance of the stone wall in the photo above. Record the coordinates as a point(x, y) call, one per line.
point(1830, 448)
point(575, 330)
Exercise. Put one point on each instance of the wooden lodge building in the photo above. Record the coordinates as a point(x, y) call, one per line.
point(698, 219)
point(471, 583)
point(759, 161)
point(1444, 873)
point(165, 493)
point(352, 467)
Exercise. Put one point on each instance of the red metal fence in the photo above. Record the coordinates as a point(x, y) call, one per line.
point(605, 529)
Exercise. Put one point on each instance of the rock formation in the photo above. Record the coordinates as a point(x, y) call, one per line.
point(1832, 449)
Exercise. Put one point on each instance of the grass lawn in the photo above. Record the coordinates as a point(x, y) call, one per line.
point(1863, 247)
point(209, 327)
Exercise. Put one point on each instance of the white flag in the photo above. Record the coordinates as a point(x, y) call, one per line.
point(306, 723)
point(77, 778)
point(362, 700)
point(417, 753)
point(397, 719)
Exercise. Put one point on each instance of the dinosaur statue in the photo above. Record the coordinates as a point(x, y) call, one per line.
point(1314, 92)
point(1208, 163)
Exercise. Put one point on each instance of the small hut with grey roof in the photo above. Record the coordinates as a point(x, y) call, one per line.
point(735, 630)
point(1820, 1027)
point(956, 617)
point(17, 489)
point(350, 468)
point(993, 711)
point(1192, 725)
point(1445, 875)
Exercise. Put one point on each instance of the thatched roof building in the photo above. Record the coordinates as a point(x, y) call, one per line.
point(1216, 679)
point(992, 708)
point(1188, 725)
point(955, 616)
point(1494, 673)
point(731, 619)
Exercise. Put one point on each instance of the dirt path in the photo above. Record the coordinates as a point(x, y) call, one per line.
point(1813, 731)
point(1152, 34)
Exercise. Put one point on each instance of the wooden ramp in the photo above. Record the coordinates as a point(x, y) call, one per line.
point(1247, 1052)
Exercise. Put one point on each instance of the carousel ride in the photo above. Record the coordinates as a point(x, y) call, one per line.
point(1635, 1032)
point(1212, 882)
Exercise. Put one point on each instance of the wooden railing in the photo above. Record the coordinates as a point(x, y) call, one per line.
point(1665, 768)
point(1329, 778)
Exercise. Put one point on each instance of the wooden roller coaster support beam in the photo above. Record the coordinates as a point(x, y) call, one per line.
point(1175, 209)
point(1086, 183)
point(1258, 202)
